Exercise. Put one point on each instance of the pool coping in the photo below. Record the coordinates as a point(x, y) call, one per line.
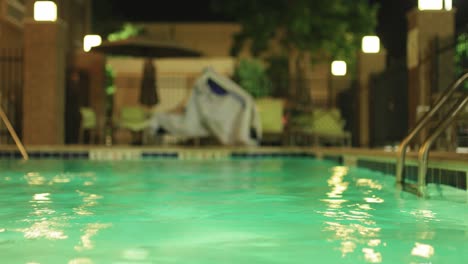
point(444, 168)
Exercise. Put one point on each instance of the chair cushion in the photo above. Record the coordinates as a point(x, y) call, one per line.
point(88, 118)
point(133, 118)
point(271, 114)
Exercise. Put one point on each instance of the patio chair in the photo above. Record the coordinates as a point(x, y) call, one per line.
point(88, 123)
point(135, 120)
point(328, 128)
point(322, 127)
point(271, 119)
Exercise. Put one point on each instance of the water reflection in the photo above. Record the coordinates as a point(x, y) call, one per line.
point(347, 247)
point(425, 215)
point(45, 229)
point(352, 222)
point(45, 221)
point(369, 183)
point(422, 250)
point(41, 197)
point(62, 178)
point(374, 242)
point(89, 200)
point(337, 183)
point(344, 231)
point(46, 226)
point(334, 204)
point(90, 231)
point(373, 199)
point(370, 255)
point(81, 261)
point(35, 178)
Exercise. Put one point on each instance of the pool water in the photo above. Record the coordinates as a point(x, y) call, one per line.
point(219, 211)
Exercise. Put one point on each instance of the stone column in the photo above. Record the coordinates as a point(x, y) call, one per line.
point(94, 64)
point(368, 64)
point(44, 83)
point(423, 28)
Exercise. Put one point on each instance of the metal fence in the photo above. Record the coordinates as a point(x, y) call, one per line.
point(445, 61)
point(11, 90)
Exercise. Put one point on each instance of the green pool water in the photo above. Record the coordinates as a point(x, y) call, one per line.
point(219, 211)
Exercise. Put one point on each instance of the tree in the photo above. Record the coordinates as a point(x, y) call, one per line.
point(304, 30)
point(461, 55)
point(128, 30)
point(251, 75)
point(106, 18)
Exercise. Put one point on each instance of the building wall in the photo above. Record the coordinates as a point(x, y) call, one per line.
point(212, 39)
point(10, 36)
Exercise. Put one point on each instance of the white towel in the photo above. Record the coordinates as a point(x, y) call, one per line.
point(218, 107)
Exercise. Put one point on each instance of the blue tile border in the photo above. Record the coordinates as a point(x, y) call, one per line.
point(335, 158)
point(240, 154)
point(10, 154)
point(454, 178)
point(46, 154)
point(146, 155)
point(161, 154)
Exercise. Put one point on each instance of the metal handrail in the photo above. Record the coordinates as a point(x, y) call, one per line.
point(420, 125)
point(424, 150)
point(13, 134)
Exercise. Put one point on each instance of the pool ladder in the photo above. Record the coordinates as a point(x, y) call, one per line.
point(13, 134)
point(423, 152)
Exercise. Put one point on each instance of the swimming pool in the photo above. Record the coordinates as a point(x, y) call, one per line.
point(269, 210)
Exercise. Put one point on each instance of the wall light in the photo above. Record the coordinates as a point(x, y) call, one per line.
point(90, 41)
point(338, 68)
point(448, 5)
point(370, 44)
point(430, 4)
point(45, 11)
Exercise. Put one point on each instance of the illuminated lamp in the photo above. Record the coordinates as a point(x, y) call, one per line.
point(45, 11)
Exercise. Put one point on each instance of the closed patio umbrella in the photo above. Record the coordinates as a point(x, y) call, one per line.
point(148, 93)
point(145, 47)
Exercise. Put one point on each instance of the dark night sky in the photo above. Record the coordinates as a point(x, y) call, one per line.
point(391, 28)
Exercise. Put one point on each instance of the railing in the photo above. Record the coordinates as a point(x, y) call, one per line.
point(13, 134)
point(423, 153)
point(424, 150)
